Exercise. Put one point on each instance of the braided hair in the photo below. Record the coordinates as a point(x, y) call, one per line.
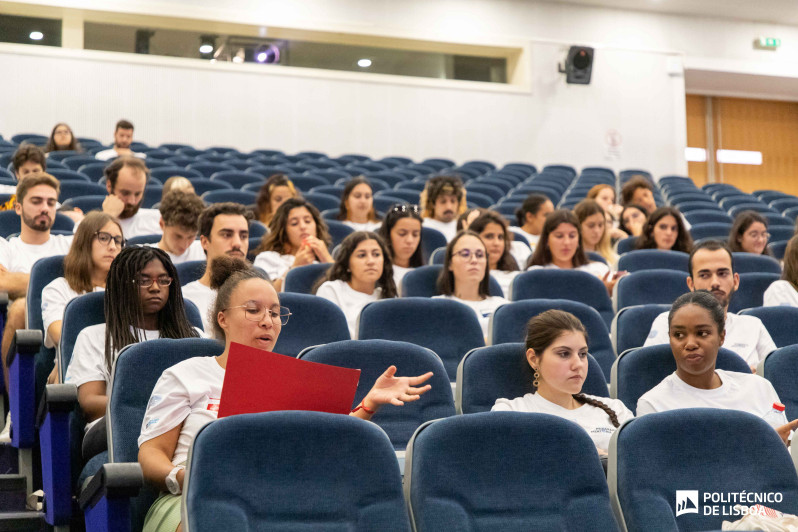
point(123, 309)
point(544, 329)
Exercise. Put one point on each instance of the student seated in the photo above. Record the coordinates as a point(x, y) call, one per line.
point(664, 230)
point(357, 205)
point(633, 218)
point(531, 216)
point(361, 274)
point(556, 349)
point(595, 230)
point(711, 268)
point(749, 234)
point(271, 195)
point(401, 232)
point(180, 212)
point(297, 236)
point(443, 200)
point(248, 312)
point(604, 195)
point(465, 277)
point(785, 290)
point(696, 333)
point(492, 229)
point(62, 139)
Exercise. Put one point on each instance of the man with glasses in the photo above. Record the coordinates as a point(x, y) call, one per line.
point(442, 201)
point(224, 231)
point(710, 267)
point(126, 180)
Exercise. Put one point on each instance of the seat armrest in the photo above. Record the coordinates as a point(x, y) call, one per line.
point(53, 421)
point(105, 500)
point(22, 383)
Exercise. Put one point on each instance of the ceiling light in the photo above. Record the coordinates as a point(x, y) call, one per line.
point(695, 155)
point(206, 49)
point(364, 63)
point(267, 53)
point(739, 157)
point(36, 35)
point(207, 46)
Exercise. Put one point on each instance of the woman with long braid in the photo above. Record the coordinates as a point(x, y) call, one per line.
point(142, 302)
point(556, 349)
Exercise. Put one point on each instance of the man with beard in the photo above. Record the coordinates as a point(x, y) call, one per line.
point(224, 231)
point(123, 138)
point(126, 179)
point(36, 200)
point(442, 201)
point(710, 267)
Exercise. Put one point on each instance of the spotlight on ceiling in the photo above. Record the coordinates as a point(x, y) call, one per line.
point(36, 35)
point(207, 45)
point(267, 54)
point(364, 63)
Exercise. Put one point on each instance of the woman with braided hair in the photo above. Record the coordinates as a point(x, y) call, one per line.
point(556, 349)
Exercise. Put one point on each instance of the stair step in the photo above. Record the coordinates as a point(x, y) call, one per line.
point(9, 459)
point(23, 522)
point(13, 489)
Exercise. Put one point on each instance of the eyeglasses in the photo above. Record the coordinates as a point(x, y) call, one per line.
point(145, 282)
point(254, 312)
point(105, 239)
point(759, 236)
point(406, 207)
point(466, 254)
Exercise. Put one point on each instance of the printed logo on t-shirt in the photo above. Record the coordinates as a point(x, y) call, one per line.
point(738, 344)
point(152, 422)
point(213, 404)
point(652, 334)
point(154, 400)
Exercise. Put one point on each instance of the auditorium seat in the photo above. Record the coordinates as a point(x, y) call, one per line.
point(631, 325)
point(423, 282)
point(753, 263)
point(236, 178)
point(302, 279)
point(650, 259)
point(751, 291)
point(649, 286)
point(236, 196)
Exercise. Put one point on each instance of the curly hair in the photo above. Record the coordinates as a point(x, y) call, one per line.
point(181, 209)
point(340, 270)
point(442, 184)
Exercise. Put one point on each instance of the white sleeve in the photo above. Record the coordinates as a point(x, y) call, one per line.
point(54, 301)
point(88, 358)
point(765, 344)
point(5, 255)
point(327, 292)
point(644, 407)
point(169, 406)
point(659, 331)
point(271, 263)
point(777, 294)
point(502, 405)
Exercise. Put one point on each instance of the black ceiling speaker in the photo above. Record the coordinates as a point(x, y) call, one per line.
point(578, 65)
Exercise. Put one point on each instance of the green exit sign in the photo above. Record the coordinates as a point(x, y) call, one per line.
point(767, 43)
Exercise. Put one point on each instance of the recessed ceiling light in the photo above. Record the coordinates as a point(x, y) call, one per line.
point(206, 49)
point(36, 35)
point(364, 63)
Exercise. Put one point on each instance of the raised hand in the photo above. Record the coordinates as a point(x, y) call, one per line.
point(390, 389)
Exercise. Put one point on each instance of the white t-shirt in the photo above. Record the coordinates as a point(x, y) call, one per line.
point(520, 253)
point(349, 300)
point(532, 239)
point(144, 222)
point(738, 391)
point(448, 229)
point(187, 393)
point(399, 273)
point(192, 252)
point(505, 279)
point(745, 335)
point(367, 226)
point(484, 309)
point(203, 297)
point(779, 293)
point(19, 257)
point(274, 264)
point(55, 297)
point(599, 269)
point(107, 155)
point(594, 420)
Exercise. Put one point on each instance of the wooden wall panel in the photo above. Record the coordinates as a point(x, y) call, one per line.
point(696, 135)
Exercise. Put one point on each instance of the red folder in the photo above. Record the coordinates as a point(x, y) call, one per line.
point(262, 381)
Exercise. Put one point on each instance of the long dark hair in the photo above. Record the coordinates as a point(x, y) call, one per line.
point(542, 255)
point(74, 145)
point(123, 313)
point(343, 214)
point(277, 239)
point(742, 222)
point(340, 269)
point(632, 206)
point(683, 240)
point(544, 329)
point(506, 262)
point(396, 213)
point(446, 278)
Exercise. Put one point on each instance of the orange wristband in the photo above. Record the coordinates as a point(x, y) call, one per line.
point(362, 406)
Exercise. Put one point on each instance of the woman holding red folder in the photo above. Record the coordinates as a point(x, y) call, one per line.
point(186, 397)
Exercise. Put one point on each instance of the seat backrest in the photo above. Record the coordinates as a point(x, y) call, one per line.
point(338, 231)
point(372, 358)
point(190, 271)
point(645, 287)
point(450, 329)
point(502, 371)
point(710, 230)
point(631, 325)
point(505, 471)
point(564, 284)
point(301, 279)
point(626, 245)
point(753, 263)
point(42, 273)
point(508, 324)
point(651, 259)
point(237, 196)
point(302, 329)
point(79, 313)
point(423, 282)
point(779, 321)
point(751, 291)
point(431, 239)
point(134, 374)
point(781, 368)
point(141, 240)
point(73, 189)
point(638, 370)
point(707, 216)
point(302, 464)
point(718, 460)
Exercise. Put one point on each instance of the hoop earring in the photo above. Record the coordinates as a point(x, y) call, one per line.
point(536, 382)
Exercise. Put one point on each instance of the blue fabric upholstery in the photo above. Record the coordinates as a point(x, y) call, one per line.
point(138, 367)
point(423, 282)
point(707, 216)
point(302, 278)
point(308, 467)
point(509, 325)
point(650, 286)
point(165, 173)
point(653, 259)
point(489, 373)
point(372, 358)
point(43, 272)
point(751, 291)
point(143, 239)
point(781, 369)
point(717, 230)
point(322, 201)
point(10, 222)
point(236, 196)
point(207, 169)
point(626, 245)
point(338, 231)
point(450, 329)
point(302, 329)
point(637, 371)
point(654, 460)
point(76, 161)
point(431, 239)
point(506, 471)
point(753, 263)
point(237, 179)
point(190, 271)
point(564, 284)
point(79, 313)
point(779, 321)
point(68, 175)
point(74, 189)
point(631, 325)
point(86, 203)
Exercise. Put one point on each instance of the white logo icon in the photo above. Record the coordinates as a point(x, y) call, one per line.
point(686, 502)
